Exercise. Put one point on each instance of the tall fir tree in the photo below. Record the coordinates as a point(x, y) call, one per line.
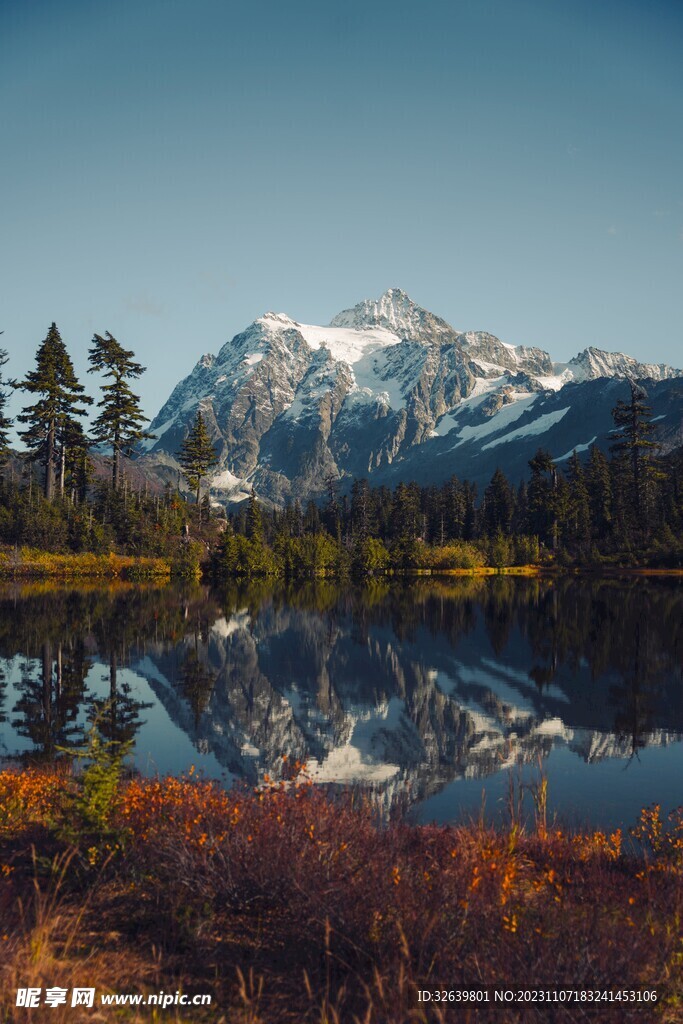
point(331, 509)
point(5, 423)
point(76, 467)
point(469, 499)
point(254, 519)
point(362, 511)
point(541, 492)
point(120, 423)
point(52, 417)
point(498, 506)
point(577, 526)
point(599, 484)
point(455, 509)
point(406, 512)
point(637, 471)
point(520, 520)
point(197, 456)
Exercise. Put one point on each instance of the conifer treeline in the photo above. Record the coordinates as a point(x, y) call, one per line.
point(626, 508)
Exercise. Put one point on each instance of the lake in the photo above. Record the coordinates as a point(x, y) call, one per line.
point(434, 695)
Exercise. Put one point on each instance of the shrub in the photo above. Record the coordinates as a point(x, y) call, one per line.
point(525, 550)
point(370, 555)
point(499, 551)
point(458, 555)
point(299, 884)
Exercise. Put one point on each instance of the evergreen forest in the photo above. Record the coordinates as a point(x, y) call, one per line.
point(73, 490)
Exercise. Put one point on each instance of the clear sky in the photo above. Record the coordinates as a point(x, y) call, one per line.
point(171, 169)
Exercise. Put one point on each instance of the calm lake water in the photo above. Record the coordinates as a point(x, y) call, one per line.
point(435, 695)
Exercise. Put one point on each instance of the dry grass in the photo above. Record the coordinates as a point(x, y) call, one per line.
point(30, 563)
point(291, 907)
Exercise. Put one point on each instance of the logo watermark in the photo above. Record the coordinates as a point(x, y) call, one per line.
point(31, 998)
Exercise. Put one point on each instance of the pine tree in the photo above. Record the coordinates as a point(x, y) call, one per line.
point(120, 423)
point(562, 510)
point(76, 465)
point(362, 518)
point(635, 451)
point(332, 510)
point(406, 512)
point(520, 520)
point(469, 499)
point(600, 492)
point(5, 423)
point(254, 523)
point(455, 509)
point(499, 505)
point(541, 497)
point(197, 455)
point(53, 415)
point(577, 526)
point(312, 522)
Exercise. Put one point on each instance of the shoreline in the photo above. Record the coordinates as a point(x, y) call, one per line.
point(37, 566)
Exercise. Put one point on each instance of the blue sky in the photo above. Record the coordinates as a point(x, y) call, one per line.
point(171, 169)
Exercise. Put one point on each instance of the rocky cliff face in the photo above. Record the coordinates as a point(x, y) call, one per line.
point(289, 404)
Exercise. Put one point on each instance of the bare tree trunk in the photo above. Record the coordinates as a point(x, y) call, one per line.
point(62, 470)
point(50, 462)
point(115, 468)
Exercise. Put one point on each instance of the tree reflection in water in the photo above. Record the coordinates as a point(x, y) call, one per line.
point(392, 684)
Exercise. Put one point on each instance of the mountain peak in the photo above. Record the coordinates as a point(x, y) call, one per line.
point(395, 311)
point(276, 320)
point(594, 362)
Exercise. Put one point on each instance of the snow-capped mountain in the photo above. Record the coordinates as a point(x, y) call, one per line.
point(391, 391)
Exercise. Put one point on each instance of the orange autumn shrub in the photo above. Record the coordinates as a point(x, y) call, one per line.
point(30, 797)
point(446, 897)
point(299, 883)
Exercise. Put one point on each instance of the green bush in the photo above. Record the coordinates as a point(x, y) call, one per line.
point(458, 555)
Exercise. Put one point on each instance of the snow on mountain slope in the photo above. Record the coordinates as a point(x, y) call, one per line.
point(290, 404)
point(491, 425)
point(363, 350)
point(538, 426)
point(348, 344)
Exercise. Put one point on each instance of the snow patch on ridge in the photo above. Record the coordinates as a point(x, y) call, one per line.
point(577, 448)
point(231, 486)
point(158, 432)
point(348, 344)
point(538, 426)
point(556, 381)
point(508, 414)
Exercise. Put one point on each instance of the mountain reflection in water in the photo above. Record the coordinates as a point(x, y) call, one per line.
point(426, 692)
